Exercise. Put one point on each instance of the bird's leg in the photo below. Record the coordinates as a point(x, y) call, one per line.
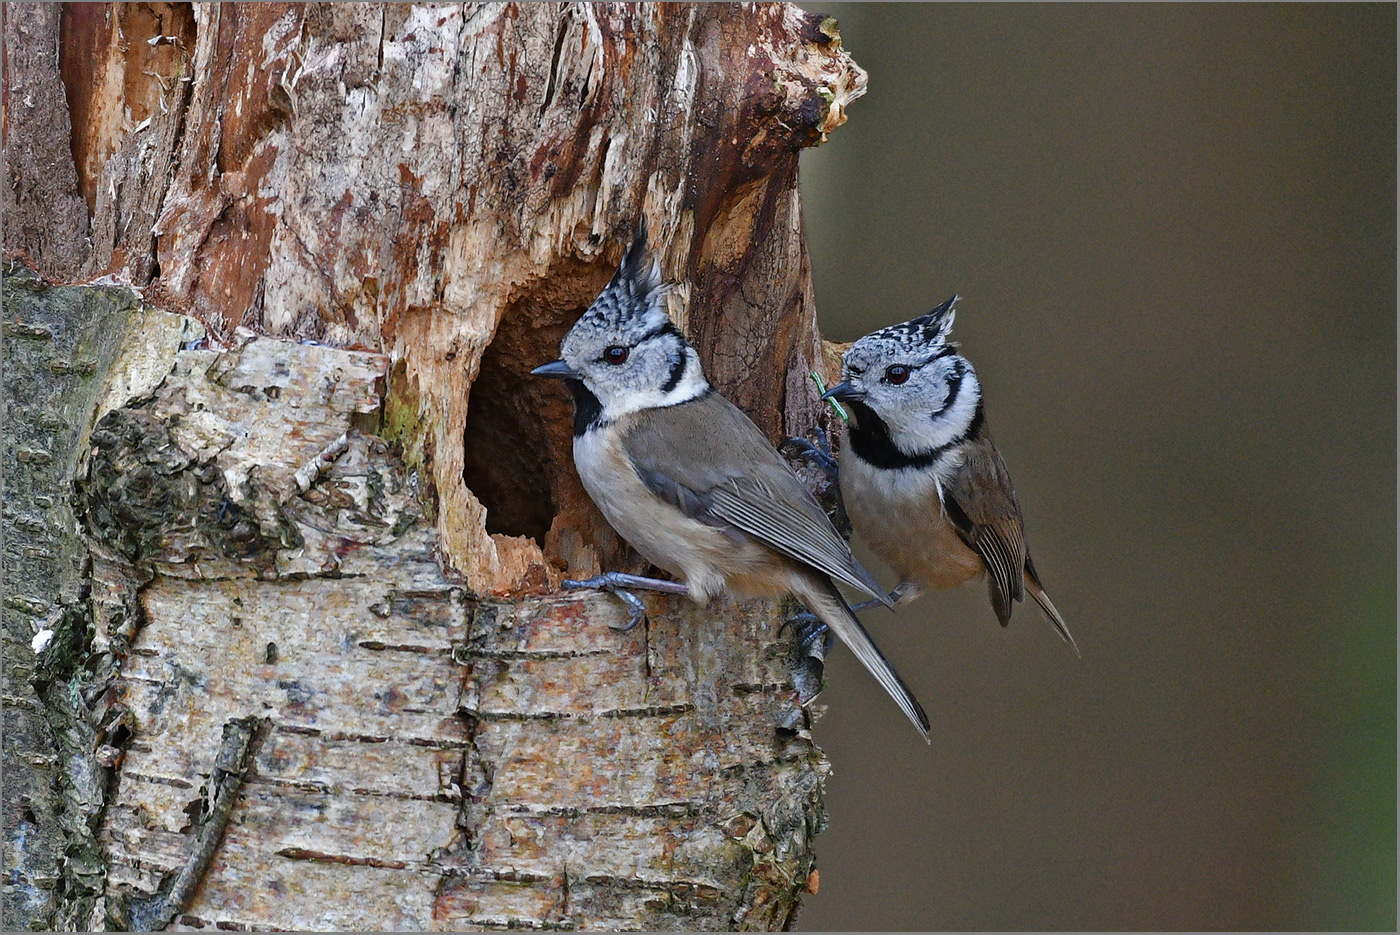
point(818, 455)
point(903, 593)
point(814, 643)
point(612, 580)
point(618, 583)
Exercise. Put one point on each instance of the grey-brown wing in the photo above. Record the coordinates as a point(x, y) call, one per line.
point(981, 503)
point(709, 459)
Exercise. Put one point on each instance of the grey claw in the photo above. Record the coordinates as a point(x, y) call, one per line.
point(818, 632)
point(636, 610)
point(807, 667)
point(808, 631)
point(803, 619)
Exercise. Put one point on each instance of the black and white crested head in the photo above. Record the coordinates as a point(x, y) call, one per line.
point(913, 398)
point(625, 354)
point(636, 295)
point(915, 336)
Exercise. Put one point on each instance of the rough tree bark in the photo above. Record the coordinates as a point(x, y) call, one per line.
point(285, 518)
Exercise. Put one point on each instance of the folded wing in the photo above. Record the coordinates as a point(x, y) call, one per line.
point(743, 483)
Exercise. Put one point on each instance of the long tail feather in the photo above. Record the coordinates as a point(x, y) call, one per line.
point(822, 599)
point(1034, 589)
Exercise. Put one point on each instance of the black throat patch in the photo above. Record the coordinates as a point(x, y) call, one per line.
point(871, 442)
point(588, 411)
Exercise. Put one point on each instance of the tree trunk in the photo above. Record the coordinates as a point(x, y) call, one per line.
point(285, 517)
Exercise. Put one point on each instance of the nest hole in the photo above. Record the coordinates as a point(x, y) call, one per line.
point(518, 443)
point(506, 462)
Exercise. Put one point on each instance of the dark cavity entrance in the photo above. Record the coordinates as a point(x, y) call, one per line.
point(518, 451)
point(507, 447)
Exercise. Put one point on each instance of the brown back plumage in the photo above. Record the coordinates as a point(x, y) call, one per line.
point(982, 505)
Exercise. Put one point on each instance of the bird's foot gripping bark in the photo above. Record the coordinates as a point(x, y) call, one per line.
point(618, 583)
point(813, 640)
point(817, 454)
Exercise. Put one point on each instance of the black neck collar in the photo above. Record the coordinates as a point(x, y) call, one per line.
point(871, 441)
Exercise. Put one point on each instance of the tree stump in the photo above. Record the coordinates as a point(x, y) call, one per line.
point(285, 515)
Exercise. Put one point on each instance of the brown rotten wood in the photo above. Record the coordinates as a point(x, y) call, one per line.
point(323, 676)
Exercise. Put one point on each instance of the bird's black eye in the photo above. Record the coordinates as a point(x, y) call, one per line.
point(616, 354)
point(896, 374)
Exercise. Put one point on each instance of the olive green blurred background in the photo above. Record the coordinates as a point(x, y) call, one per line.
point(1174, 231)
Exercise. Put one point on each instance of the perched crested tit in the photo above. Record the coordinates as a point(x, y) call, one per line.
point(922, 481)
point(689, 480)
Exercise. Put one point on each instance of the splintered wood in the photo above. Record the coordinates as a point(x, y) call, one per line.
point(416, 179)
point(425, 759)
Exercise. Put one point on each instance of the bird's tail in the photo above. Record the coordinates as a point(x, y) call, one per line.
point(822, 599)
point(1037, 593)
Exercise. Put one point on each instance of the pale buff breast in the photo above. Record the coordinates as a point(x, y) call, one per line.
point(899, 515)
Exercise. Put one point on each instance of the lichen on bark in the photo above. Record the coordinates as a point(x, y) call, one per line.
point(60, 345)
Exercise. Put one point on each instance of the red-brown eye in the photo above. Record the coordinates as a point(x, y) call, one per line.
point(897, 374)
point(616, 354)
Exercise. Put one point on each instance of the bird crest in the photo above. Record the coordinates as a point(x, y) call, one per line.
point(636, 295)
point(917, 339)
point(931, 328)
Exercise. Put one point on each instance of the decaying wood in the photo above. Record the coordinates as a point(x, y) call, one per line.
point(326, 496)
point(451, 185)
point(45, 219)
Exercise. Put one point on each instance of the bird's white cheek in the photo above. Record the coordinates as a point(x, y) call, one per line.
point(618, 403)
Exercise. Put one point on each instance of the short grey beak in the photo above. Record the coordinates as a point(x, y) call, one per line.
point(556, 369)
point(843, 391)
